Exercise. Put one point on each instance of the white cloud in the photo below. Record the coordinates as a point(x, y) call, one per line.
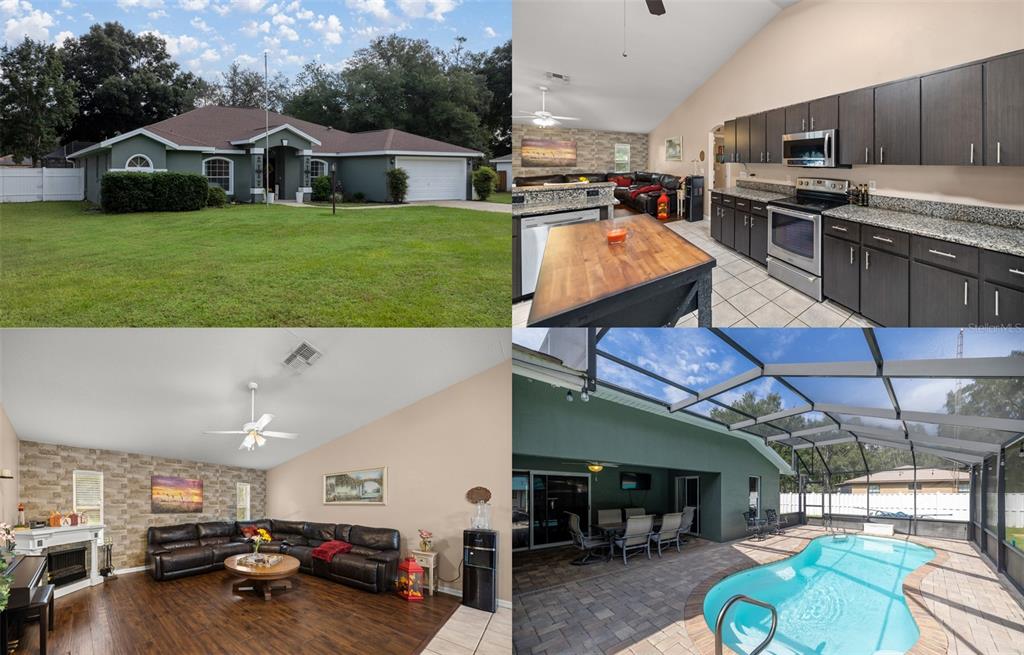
point(376, 7)
point(273, 9)
point(271, 42)
point(246, 60)
point(330, 28)
point(489, 32)
point(199, 24)
point(294, 6)
point(433, 9)
point(59, 39)
point(14, 6)
point(248, 6)
point(193, 5)
point(177, 44)
point(304, 14)
point(88, 15)
point(252, 28)
point(221, 10)
point(370, 31)
point(282, 19)
point(159, 13)
point(66, 4)
point(145, 4)
point(288, 33)
point(35, 24)
point(209, 55)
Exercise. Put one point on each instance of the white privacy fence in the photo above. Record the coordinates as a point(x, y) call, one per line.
point(943, 506)
point(33, 184)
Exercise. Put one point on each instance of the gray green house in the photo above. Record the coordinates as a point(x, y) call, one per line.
point(233, 149)
point(563, 452)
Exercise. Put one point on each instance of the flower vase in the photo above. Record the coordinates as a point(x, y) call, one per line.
point(425, 545)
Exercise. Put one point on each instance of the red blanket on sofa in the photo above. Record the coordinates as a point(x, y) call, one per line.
point(327, 550)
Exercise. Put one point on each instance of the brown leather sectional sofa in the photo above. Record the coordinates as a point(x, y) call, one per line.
point(177, 551)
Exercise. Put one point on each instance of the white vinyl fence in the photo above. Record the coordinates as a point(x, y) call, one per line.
point(942, 506)
point(34, 184)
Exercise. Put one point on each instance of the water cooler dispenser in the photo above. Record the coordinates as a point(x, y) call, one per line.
point(480, 569)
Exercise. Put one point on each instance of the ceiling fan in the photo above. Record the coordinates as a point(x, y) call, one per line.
point(656, 7)
point(595, 467)
point(254, 430)
point(545, 118)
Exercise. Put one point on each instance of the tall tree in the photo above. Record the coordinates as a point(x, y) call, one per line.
point(496, 69)
point(124, 81)
point(317, 96)
point(36, 102)
point(241, 87)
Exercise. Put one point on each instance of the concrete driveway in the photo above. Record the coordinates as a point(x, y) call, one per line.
point(501, 208)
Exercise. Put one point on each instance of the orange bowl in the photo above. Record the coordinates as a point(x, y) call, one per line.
point(617, 235)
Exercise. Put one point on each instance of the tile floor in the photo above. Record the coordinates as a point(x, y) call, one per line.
point(743, 295)
point(471, 631)
point(609, 608)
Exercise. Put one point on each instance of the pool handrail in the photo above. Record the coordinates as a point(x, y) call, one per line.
point(753, 601)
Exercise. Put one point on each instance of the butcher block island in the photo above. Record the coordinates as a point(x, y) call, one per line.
point(653, 278)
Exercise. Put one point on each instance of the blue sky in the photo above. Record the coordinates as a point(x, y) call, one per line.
point(205, 36)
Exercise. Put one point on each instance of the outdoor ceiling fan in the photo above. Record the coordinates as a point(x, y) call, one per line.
point(545, 118)
point(254, 430)
point(595, 467)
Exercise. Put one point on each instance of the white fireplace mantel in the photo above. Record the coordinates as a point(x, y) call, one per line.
point(35, 542)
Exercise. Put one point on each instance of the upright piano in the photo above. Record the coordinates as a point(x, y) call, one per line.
point(26, 572)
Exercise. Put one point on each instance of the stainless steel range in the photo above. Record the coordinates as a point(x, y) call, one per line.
point(794, 232)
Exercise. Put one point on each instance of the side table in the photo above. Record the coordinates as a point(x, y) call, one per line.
point(428, 560)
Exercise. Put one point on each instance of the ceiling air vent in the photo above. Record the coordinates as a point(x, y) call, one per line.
point(557, 76)
point(302, 357)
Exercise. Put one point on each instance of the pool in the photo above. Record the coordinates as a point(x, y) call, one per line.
point(837, 596)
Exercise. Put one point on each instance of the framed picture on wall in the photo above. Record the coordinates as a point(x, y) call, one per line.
point(360, 487)
point(172, 495)
point(674, 148)
point(548, 153)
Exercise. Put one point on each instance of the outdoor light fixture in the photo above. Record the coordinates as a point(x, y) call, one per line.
point(585, 397)
point(568, 396)
point(595, 468)
point(1020, 453)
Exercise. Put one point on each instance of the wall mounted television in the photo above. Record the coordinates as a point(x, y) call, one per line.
point(635, 481)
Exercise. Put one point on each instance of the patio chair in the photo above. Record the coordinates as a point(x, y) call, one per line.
point(686, 524)
point(755, 526)
point(775, 523)
point(634, 511)
point(637, 536)
point(586, 543)
point(669, 533)
point(606, 516)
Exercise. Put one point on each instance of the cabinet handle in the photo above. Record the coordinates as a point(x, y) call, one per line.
point(803, 123)
point(881, 154)
point(1016, 272)
point(851, 254)
point(997, 302)
point(839, 229)
point(865, 154)
point(942, 254)
point(769, 154)
point(999, 154)
point(867, 259)
point(972, 153)
point(882, 239)
point(762, 156)
point(812, 123)
point(965, 293)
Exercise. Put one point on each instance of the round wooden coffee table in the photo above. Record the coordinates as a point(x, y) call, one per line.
point(262, 579)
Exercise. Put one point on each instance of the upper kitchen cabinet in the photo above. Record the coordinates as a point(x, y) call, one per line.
point(898, 122)
point(796, 118)
point(823, 114)
point(775, 127)
point(857, 127)
point(743, 139)
point(1004, 111)
point(729, 132)
point(951, 115)
point(757, 138)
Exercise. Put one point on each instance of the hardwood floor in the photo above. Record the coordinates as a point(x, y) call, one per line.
point(135, 614)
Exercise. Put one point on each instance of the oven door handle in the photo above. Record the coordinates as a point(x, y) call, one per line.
point(793, 212)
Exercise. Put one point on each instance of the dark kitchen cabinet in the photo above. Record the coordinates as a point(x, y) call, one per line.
point(741, 239)
point(759, 238)
point(884, 287)
point(1004, 98)
point(898, 122)
point(840, 276)
point(775, 127)
point(728, 227)
point(823, 114)
point(716, 222)
point(757, 138)
point(857, 127)
point(1001, 306)
point(729, 132)
point(796, 118)
point(743, 139)
point(951, 116)
point(941, 298)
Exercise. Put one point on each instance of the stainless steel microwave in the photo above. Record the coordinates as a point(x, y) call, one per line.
point(810, 149)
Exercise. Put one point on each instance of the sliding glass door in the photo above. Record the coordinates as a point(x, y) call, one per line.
point(554, 495)
point(520, 510)
point(688, 495)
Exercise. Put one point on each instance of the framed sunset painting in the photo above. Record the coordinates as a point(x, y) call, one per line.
point(548, 153)
point(172, 495)
point(360, 487)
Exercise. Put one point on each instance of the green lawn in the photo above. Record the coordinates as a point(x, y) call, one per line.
point(501, 196)
point(63, 264)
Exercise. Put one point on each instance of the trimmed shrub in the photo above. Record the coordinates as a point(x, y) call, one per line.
point(398, 184)
point(322, 188)
point(216, 197)
point(359, 196)
point(485, 179)
point(142, 192)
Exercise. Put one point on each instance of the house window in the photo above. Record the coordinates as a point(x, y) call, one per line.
point(242, 501)
point(318, 168)
point(914, 485)
point(963, 487)
point(874, 489)
point(218, 172)
point(754, 487)
point(621, 157)
point(139, 163)
point(87, 494)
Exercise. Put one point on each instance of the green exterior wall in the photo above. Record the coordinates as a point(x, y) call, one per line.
point(545, 425)
point(183, 161)
point(367, 175)
point(95, 166)
point(139, 144)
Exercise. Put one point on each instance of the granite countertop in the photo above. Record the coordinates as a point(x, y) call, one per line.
point(751, 194)
point(553, 208)
point(981, 235)
point(561, 186)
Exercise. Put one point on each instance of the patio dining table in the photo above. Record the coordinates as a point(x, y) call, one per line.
point(612, 530)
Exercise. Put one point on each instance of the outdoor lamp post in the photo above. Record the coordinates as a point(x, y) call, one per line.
point(334, 206)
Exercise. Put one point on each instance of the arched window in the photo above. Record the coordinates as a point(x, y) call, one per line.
point(318, 167)
point(139, 163)
point(219, 172)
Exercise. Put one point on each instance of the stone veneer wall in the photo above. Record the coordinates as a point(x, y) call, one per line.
point(45, 485)
point(595, 151)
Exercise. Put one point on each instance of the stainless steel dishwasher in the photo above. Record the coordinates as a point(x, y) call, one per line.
point(533, 236)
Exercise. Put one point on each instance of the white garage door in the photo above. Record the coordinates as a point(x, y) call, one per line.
point(434, 178)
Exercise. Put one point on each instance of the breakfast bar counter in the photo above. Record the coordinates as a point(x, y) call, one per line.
point(653, 278)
